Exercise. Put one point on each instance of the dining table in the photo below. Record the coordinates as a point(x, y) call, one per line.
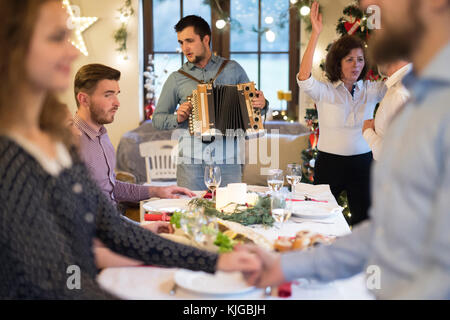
point(156, 283)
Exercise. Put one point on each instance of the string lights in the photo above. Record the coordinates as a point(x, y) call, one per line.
point(78, 24)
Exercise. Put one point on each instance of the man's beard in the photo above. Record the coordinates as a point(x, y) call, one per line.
point(398, 41)
point(199, 58)
point(98, 116)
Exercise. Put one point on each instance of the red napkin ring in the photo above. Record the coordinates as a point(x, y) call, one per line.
point(285, 289)
point(208, 195)
point(157, 217)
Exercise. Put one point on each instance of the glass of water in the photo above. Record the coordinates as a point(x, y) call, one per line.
point(293, 174)
point(281, 207)
point(275, 179)
point(212, 179)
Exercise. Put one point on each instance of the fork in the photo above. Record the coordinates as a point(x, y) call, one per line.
point(299, 220)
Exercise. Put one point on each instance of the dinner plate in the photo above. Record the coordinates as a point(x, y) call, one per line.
point(220, 283)
point(167, 205)
point(314, 210)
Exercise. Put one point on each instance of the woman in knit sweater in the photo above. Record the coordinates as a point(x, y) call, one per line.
point(50, 210)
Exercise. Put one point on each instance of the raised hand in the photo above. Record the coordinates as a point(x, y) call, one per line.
point(316, 18)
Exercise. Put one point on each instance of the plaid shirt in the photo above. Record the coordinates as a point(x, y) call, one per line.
point(98, 154)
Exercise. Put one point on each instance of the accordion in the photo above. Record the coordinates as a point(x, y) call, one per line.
point(223, 110)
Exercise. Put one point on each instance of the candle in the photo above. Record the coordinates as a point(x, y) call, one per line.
point(237, 192)
point(288, 96)
point(280, 94)
point(221, 198)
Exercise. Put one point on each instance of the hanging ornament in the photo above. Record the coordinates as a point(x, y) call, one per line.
point(352, 27)
point(78, 24)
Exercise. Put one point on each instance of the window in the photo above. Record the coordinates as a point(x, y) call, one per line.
point(264, 55)
point(163, 40)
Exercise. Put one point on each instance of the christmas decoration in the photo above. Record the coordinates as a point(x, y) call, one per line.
point(354, 22)
point(310, 154)
point(78, 24)
point(151, 83)
point(121, 35)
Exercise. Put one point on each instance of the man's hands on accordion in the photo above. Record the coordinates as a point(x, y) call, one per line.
point(259, 101)
point(183, 111)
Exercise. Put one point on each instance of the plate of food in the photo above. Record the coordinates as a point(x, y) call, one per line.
point(302, 240)
point(220, 283)
point(166, 205)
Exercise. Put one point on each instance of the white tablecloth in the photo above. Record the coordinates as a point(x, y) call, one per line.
point(156, 283)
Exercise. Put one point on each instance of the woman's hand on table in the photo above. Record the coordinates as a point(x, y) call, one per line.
point(159, 227)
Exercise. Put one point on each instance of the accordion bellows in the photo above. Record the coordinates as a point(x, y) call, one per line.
point(224, 110)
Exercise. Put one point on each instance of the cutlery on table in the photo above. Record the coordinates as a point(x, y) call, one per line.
point(173, 290)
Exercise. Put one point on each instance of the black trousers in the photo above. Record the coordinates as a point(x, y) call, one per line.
point(349, 173)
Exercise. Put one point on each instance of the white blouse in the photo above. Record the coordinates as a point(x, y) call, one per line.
point(396, 96)
point(341, 116)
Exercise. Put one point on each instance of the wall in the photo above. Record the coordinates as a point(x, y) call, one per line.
point(102, 49)
point(331, 12)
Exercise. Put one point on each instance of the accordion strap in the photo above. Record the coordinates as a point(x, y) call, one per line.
point(224, 63)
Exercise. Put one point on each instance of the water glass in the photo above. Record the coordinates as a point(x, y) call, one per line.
point(281, 207)
point(275, 179)
point(293, 174)
point(212, 178)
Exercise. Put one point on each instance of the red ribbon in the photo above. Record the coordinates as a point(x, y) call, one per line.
point(157, 217)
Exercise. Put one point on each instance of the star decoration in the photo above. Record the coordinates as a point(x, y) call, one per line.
point(78, 24)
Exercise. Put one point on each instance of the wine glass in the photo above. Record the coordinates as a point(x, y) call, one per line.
point(281, 207)
point(212, 179)
point(293, 174)
point(275, 179)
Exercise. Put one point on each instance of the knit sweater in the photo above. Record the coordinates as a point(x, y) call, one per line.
point(47, 225)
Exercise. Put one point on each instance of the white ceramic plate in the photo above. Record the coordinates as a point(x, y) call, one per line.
point(314, 210)
point(166, 205)
point(220, 283)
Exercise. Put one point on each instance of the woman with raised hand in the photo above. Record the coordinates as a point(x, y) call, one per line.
point(343, 103)
point(50, 209)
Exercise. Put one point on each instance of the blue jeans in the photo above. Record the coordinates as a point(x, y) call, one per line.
point(191, 176)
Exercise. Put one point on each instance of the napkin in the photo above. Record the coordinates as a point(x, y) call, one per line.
point(157, 216)
point(208, 195)
point(285, 290)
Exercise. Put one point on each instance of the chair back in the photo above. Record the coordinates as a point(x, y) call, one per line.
point(160, 159)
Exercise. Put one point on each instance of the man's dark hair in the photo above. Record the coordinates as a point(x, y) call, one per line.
point(88, 77)
point(338, 51)
point(201, 27)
